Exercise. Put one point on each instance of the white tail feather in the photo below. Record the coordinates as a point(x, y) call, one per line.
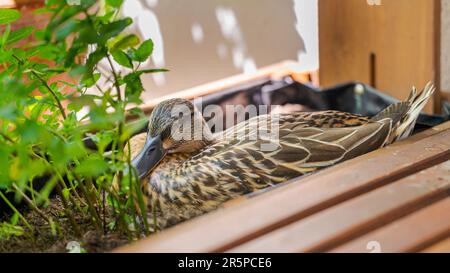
point(416, 103)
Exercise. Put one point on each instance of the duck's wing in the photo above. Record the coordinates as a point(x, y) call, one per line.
point(249, 164)
point(324, 119)
point(326, 146)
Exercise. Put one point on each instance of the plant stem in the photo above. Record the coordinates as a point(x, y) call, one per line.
point(55, 97)
point(104, 212)
point(140, 201)
point(7, 138)
point(120, 144)
point(75, 192)
point(31, 204)
point(72, 199)
point(68, 211)
point(16, 211)
point(116, 78)
point(63, 199)
point(45, 84)
point(91, 207)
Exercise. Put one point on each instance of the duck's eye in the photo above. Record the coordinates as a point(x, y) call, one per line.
point(151, 150)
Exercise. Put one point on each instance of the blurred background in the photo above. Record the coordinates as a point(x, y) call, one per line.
point(201, 41)
point(388, 44)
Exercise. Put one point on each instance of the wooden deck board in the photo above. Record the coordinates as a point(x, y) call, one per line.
point(411, 233)
point(227, 228)
point(440, 247)
point(331, 227)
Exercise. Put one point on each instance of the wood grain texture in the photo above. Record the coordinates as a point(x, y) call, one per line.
point(249, 219)
point(439, 247)
point(331, 227)
point(410, 233)
point(399, 34)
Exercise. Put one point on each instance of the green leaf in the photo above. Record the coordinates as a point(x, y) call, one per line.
point(133, 127)
point(107, 17)
point(114, 3)
point(53, 228)
point(36, 168)
point(85, 100)
point(69, 59)
point(30, 132)
point(14, 219)
point(89, 80)
point(47, 189)
point(88, 35)
point(42, 10)
point(121, 58)
point(54, 70)
point(10, 230)
point(65, 30)
point(103, 139)
point(110, 30)
point(64, 14)
point(126, 42)
point(8, 16)
point(85, 4)
point(93, 166)
point(77, 70)
point(19, 34)
point(5, 151)
point(136, 111)
point(66, 193)
point(94, 58)
point(143, 52)
point(37, 109)
point(5, 35)
point(133, 83)
point(154, 70)
point(103, 120)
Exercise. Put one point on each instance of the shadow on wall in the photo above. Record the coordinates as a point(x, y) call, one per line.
point(201, 41)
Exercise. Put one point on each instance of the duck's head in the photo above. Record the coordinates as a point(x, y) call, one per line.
point(175, 126)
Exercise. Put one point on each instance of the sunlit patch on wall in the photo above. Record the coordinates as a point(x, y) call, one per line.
point(249, 66)
point(231, 31)
point(148, 27)
point(222, 51)
point(306, 13)
point(197, 33)
point(152, 3)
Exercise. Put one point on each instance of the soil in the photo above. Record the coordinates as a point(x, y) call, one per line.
point(45, 241)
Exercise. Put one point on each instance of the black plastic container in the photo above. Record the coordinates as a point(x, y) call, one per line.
point(352, 97)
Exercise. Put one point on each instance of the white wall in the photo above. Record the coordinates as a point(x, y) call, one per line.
point(205, 40)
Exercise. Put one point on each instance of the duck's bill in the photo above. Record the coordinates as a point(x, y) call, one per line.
point(152, 153)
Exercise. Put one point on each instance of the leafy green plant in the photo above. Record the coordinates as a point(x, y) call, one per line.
point(44, 120)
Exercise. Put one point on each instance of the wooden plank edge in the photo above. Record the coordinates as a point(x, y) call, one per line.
point(439, 247)
point(419, 230)
point(356, 217)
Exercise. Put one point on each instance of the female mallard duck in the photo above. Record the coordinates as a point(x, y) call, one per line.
point(183, 178)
